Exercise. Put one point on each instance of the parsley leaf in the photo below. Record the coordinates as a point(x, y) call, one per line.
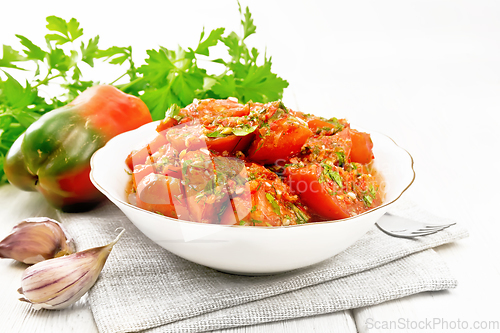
point(68, 31)
point(211, 40)
point(9, 56)
point(90, 52)
point(159, 100)
point(247, 23)
point(185, 85)
point(225, 87)
point(232, 41)
point(118, 55)
point(157, 67)
point(17, 97)
point(34, 52)
point(260, 84)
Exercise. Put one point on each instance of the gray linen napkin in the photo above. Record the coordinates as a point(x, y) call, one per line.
point(144, 287)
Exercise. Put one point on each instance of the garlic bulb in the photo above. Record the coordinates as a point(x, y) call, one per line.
point(58, 283)
point(36, 239)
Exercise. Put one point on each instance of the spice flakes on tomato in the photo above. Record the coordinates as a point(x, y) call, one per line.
point(260, 165)
point(272, 203)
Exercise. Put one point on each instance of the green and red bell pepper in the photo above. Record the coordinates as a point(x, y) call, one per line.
point(53, 155)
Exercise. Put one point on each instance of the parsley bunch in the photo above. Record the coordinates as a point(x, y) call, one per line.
point(175, 76)
point(168, 76)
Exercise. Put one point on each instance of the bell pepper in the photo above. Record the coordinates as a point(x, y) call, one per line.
point(53, 155)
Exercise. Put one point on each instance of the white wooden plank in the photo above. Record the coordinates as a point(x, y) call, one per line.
point(448, 153)
point(16, 316)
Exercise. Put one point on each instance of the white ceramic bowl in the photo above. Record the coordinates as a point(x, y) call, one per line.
point(247, 249)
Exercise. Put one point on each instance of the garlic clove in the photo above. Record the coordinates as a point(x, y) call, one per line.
point(36, 239)
point(57, 283)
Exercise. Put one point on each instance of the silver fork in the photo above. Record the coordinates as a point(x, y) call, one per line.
point(405, 228)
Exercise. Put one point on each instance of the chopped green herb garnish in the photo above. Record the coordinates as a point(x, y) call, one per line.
point(336, 177)
point(337, 126)
point(173, 111)
point(282, 106)
point(301, 217)
point(215, 134)
point(368, 200)
point(333, 175)
point(321, 178)
point(278, 114)
point(255, 221)
point(274, 204)
point(244, 130)
point(261, 145)
point(373, 191)
point(260, 184)
point(223, 209)
point(209, 188)
point(341, 158)
point(185, 165)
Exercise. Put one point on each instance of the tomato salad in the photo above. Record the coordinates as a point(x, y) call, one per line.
point(222, 162)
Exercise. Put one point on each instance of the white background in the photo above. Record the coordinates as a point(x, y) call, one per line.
point(426, 73)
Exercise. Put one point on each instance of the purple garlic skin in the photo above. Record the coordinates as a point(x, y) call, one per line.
point(37, 239)
point(58, 283)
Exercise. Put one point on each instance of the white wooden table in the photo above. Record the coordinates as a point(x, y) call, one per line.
point(425, 73)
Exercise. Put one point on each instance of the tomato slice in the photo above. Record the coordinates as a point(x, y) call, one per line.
point(238, 209)
point(333, 192)
point(317, 193)
point(282, 139)
point(141, 171)
point(334, 148)
point(165, 161)
point(161, 194)
point(198, 174)
point(139, 156)
point(215, 108)
point(320, 125)
point(265, 201)
point(361, 151)
point(230, 143)
point(166, 124)
point(228, 216)
point(187, 136)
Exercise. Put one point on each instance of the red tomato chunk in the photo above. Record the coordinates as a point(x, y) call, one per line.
point(254, 164)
